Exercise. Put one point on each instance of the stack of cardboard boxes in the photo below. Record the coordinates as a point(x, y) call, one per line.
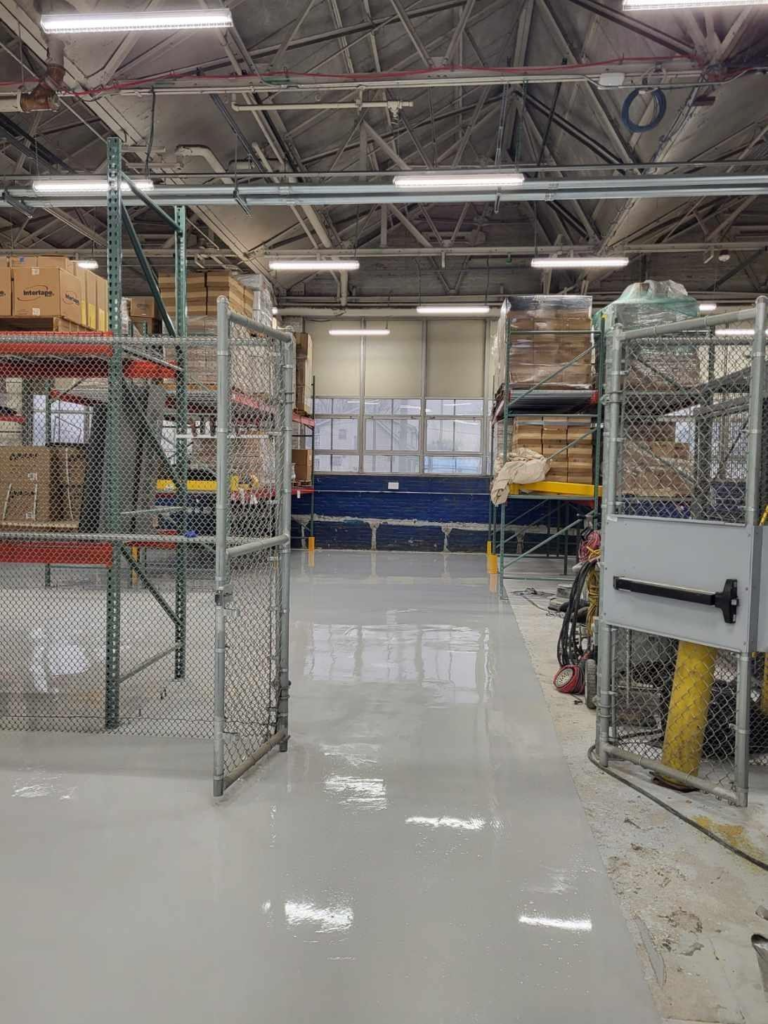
point(40, 485)
point(144, 315)
point(203, 291)
point(47, 287)
point(654, 464)
point(302, 402)
point(548, 435)
point(537, 347)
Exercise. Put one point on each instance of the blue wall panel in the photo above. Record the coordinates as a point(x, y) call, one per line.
point(354, 511)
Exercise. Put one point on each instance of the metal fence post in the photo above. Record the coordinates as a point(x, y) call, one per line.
point(611, 447)
point(222, 529)
point(288, 363)
point(752, 514)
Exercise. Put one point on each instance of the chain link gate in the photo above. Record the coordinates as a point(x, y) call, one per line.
point(109, 487)
point(681, 690)
point(253, 543)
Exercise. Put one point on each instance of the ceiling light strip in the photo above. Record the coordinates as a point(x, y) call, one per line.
point(314, 264)
point(137, 21)
point(341, 332)
point(453, 310)
point(568, 262)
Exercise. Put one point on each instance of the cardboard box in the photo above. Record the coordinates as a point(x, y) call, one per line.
point(45, 262)
point(302, 464)
point(303, 346)
point(142, 306)
point(5, 291)
point(25, 484)
point(39, 291)
point(146, 325)
point(68, 481)
point(102, 315)
point(82, 277)
point(92, 301)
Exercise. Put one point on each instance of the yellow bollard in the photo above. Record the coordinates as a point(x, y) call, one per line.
point(311, 552)
point(488, 553)
point(493, 565)
point(688, 709)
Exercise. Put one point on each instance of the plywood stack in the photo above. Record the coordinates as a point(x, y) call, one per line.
point(549, 435)
point(545, 332)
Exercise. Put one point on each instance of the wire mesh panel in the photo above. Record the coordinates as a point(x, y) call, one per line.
point(111, 485)
point(683, 426)
point(675, 703)
point(253, 544)
point(684, 406)
point(106, 566)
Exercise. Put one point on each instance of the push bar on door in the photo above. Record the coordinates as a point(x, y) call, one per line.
point(727, 599)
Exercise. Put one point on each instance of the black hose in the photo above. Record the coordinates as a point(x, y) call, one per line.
point(678, 814)
point(568, 648)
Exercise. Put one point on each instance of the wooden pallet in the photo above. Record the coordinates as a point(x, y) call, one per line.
point(42, 325)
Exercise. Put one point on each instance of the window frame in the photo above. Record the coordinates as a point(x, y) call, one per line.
point(422, 454)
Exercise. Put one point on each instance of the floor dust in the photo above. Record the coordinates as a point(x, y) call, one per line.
point(691, 905)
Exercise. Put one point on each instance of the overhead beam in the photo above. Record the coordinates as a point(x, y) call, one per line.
point(464, 17)
point(411, 32)
point(639, 28)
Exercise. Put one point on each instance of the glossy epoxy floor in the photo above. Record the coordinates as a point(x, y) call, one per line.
point(419, 855)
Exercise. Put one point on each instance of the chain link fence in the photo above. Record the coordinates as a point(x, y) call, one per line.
point(109, 486)
point(691, 713)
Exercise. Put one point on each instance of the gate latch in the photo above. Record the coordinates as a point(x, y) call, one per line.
point(727, 599)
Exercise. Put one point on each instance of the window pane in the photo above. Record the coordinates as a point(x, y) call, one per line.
point(405, 464)
point(405, 435)
point(440, 436)
point(439, 407)
point(377, 406)
point(406, 406)
point(378, 435)
point(345, 463)
point(377, 464)
point(344, 434)
point(341, 405)
point(323, 405)
point(322, 463)
point(467, 435)
point(322, 433)
point(469, 407)
point(449, 466)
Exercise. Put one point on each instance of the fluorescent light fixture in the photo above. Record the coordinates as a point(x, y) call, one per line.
point(453, 310)
point(339, 332)
point(671, 5)
point(137, 21)
point(566, 262)
point(83, 186)
point(707, 307)
point(88, 264)
point(314, 264)
point(459, 180)
point(735, 332)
